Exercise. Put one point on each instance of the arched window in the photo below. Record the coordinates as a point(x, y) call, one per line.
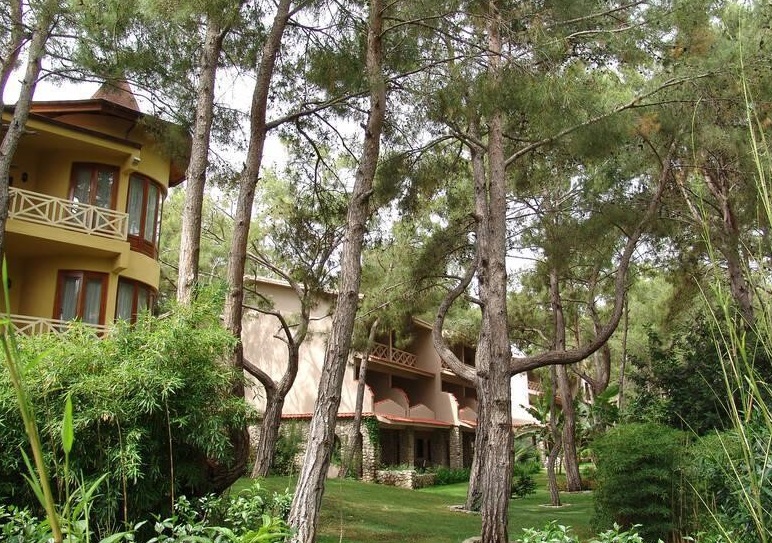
point(144, 209)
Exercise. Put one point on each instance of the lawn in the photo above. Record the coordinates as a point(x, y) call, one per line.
point(356, 512)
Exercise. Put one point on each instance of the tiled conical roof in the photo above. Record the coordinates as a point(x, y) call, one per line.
point(118, 92)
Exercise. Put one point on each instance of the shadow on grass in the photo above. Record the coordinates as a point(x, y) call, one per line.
point(356, 512)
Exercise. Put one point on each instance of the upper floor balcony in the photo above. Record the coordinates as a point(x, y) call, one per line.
point(26, 324)
point(65, 214)
point(396, 359)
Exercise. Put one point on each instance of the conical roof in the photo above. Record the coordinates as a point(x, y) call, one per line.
point(118, 92)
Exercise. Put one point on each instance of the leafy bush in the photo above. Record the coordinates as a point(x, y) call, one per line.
point(150, 400)
point(245, 518)
point(636, 473)
point(524, 466)
point(523, 482)
point(287, 448)
point(718, 474)
point(448, 476)
point(551, 533)
point(557, 533)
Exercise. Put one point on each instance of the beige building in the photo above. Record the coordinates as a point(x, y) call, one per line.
point(87, 184)
point(426, 415)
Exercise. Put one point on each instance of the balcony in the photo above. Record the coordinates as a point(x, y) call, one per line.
point(68, 215)
point(534, 387)
point(392, 355)
point(387, 359)
point(25, 324)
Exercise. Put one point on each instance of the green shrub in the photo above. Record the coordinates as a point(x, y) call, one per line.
point(448, 476)
point(637, 471)
point(251, 516)
point(288, 446)
point(557, 533)
point(717, 473)
point(523, 482)
point(149, 399)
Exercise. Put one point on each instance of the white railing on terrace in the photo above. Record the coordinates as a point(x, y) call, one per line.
point(25, 324)
point(52, 211)
point(390, 354)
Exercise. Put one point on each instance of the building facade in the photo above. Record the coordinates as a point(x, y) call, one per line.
point(87, 184)
point(425, 414)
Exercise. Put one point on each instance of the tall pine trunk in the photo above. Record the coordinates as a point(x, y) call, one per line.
point(190, 236)
point(41, 32)
point(355, 437)
point(233, 310)
point(557, 440)
point(493, 375)
point(623, 364)
point(570, 457)
point(306, 504)
point(573, 482)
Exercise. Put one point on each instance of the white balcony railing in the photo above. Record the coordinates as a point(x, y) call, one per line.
point(52, 211)
point(26, 324)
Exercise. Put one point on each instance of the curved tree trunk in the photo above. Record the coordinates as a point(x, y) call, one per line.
point(570, 459)
point(275, 394)
point(552, 481)
point(269, 434)
point(306, 504)
point(573, 481)
point(190, 236)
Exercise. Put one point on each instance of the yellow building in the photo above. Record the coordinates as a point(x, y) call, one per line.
point(87, 184)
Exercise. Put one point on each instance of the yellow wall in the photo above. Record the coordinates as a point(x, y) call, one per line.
point(37, 252)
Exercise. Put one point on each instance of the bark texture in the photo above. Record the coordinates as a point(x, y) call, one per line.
point(493, 373)
point(233, 310)
point(556, 440)
point(306, 504)
point(573, 480)
point(190, 236)
point(41, 32)
point(11, 47)
point(623, 364)
point(355, 437)
point(570, 458)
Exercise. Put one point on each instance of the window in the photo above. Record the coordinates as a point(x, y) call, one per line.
point(81, 295)
point(133, 298)
point(144, 209)
point(94, 184)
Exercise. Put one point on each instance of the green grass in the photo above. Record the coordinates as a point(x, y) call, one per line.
point(354, 512)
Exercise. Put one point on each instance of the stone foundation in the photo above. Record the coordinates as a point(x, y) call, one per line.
point(399, 449)
point(407, 478)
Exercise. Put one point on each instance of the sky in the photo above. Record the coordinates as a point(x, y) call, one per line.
point(234, 93)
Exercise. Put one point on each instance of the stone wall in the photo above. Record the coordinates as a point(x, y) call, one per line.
point(407, 478)
point(447, 447)
point(369, 457)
